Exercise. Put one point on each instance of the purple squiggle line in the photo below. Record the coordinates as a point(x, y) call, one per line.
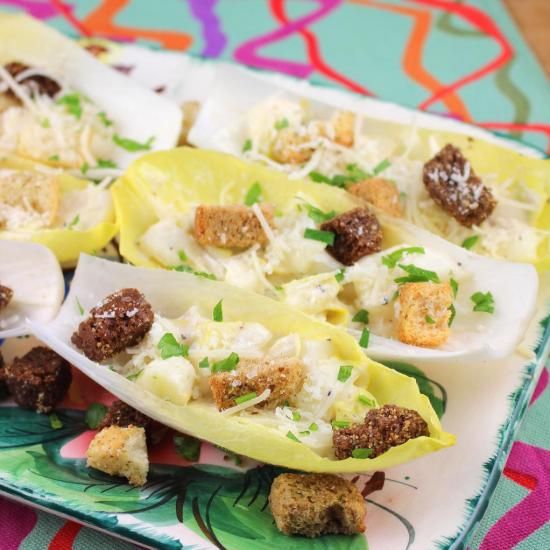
point(246, 53)
point(214, 38)
point(40, 10)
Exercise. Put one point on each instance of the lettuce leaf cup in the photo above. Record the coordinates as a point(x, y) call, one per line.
point(201, 333)
point(374, 149)
point(405, 292)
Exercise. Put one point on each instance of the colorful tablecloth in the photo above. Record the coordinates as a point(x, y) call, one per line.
point(462, 58)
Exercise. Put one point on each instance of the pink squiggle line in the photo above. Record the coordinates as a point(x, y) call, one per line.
point(214, 38)
point(40, 10)
point(246, 53)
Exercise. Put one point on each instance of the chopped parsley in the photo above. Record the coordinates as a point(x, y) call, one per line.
point(246, 397)
point(131, 145)
point(362, 316)
point(429, 320)
point(55, 422)
point(417, 275)
point(204, 363)
point(344, 373)
point(247, 146)
point(226, 365)
point(340, 275)
point(217, 312)
point(187, 447)
point(365, 337)
point(317, 215)
point(365, 400)
point(170, 347)
point(396, 256)
point(94, 415)
point(84, 168)
point(73, 222)
point(361, 453)
point(326, 237)
point(281, 124)
point(104, 119)
point(290, 435)
point(253, 195)
point(483, 302)
point(182, 255)
point(353, 174)
point(340, 424)
point(381, 166)
point(296, 415)
point(313, 427)
point(470, 242)
point(72, 103)
point(79, 306)
point(106, 163)
point(454, 287)
point(184, 268)
point(452, 309)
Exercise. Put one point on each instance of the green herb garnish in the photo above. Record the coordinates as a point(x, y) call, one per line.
point(106, 163)
point(79, 306)
point(204, 363)
point(253, 194)
point(104, 119)
point(452, 309)
point(361, 453)
point(280, 124)
point(290, 435)
point(362, 316)
point(94, 415)
point(247, 146)
point(365, 337)
point(454, 287)
point(184, 268)
point(55, 422)
point(340, 275)
point(72, 103)
point(429, 320)
point(381, 166)
point(246, 397)
point(313, 427)
point(416, 275)
point(131, 145)
point(226, 365)
point(45, 123)
point(296, 415)
point(54, 158)
point(135, 376)
point(317, 215)
point(396, 256)
point(340, 424)
point(74, 221)
point(344, 373)
point(187, 447)
point(304, 433)
point(470, 242)
point(84, 168)
point(170, 347)
point(365, 400)
point(182, 255)
point(326, 237)
point(217, 312)
point(483, 302)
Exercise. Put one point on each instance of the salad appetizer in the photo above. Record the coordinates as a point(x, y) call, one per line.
point(323, 251)
point(239, 370)
point(471, 192)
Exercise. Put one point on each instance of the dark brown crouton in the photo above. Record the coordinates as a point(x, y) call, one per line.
point(39, 380)
point(120, 321)
point(121, 414)
point(383, 428)
point(284, 377)
point(316, 504)
point(455, 187)
point(4, 392)
point(6, 294)
point(42, 85)
point(232, 226)
point(357, 233)
point(381, 193)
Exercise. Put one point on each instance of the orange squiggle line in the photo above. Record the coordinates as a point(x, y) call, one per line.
point(412, 57)
point(100, 21)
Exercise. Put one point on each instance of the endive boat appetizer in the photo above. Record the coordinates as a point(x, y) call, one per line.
point(239, 370)
point(31, 286)
point(67, 214)
point(320, 250)
point(473, 192)
point(61, 106)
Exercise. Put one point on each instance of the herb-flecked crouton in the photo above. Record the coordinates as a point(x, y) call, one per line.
point(34, 84)
point(39, 380)
point(121, 320)
point(312, 505)
point(28, 198)
point(283, 377)
point(424, 313)
point(290, 147)
point(357, 233)
point(120, 452)
point(383, 428)
point(343, 123)
point(455, 187)
point(381, 193)
point(232, 226)
point(6, 294)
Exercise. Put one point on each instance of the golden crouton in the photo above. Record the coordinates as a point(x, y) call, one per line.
point(287, 148)
point(120, 452)
point(381, 193)
point(31, 192)
point(190, 110)
point(344, 128)
point(232, 226)
point(284, 377)
point(424, 313)
point(316, 504)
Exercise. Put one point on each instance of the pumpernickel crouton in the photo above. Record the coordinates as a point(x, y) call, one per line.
point(357, 233)
point(122, 415)
point(120, 452)
point(6, 294)
point(381, 193)
point(232, 226)
point(39, 380)
point(121, 320)
point(383, 428)
point(316, 504)
point(34, 84)
point(28, 198)
point(455, 187)
point(290, 147)
point(343, 123)
point(424, 314)
point(284, 377)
